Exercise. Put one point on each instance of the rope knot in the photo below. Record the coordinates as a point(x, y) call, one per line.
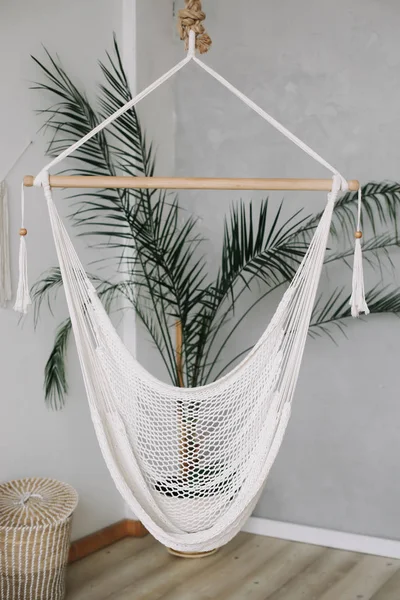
point(42, 179)
point(191, 18)
point(25, 497)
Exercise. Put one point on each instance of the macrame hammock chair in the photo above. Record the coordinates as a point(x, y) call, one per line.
point(191, 462)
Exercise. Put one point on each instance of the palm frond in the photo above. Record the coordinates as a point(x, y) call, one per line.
point(155, 247)
point(55, 379)
point(56, 386)
point(45, 289)
point(266, 248)
point(70, 118)
point(381, 207)
point(257, 246)
point(333, 313)
point(130, 146)
point(376, 252)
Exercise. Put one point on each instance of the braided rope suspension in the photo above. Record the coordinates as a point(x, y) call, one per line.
point(191, 18)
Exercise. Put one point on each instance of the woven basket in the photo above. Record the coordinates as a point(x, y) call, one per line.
point(35, 526)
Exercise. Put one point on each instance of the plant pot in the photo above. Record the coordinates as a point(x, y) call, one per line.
point(192, 555)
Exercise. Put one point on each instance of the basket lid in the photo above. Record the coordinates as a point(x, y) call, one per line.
point(35, 501)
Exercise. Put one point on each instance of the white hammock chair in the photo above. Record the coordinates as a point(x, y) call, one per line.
point(191, 463)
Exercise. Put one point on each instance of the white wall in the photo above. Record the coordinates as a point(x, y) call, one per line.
point(330, 72)
point(156, 45)
point(33, 440)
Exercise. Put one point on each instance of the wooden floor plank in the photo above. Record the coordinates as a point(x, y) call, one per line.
point(329, 568)
point(123, 573)
point(176, 572)
point(272, 573)
point(87, 569)
point(249, 568)
point(225, 574)
point(363, 581)
point(391, 589)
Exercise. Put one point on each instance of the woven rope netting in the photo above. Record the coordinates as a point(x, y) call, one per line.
point(191, 463)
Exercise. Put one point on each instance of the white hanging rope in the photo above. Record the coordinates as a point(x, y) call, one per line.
point(23, 299)
point(357, 301)
point(358, 294)
point(191, 55)
point(5, 268)
point(17, 159)
point(290, 136)
point(151, 88)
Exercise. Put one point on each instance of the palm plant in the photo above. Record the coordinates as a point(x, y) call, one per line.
point(156, 248)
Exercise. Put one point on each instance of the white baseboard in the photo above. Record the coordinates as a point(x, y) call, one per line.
point(324, 537)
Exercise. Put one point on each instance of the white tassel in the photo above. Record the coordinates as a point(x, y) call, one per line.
point(357, 301)
point(5, 271)
point(23, 299)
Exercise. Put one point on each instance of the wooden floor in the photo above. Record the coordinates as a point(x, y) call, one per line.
point(250, 567)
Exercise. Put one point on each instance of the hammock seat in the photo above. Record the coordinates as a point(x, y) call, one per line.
point(192, 463)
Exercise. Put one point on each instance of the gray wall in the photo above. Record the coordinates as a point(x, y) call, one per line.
point(156, 50)
point(330, 72)
point(33, 440)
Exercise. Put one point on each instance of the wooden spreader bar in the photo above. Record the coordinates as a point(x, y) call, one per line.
point(189, 183)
